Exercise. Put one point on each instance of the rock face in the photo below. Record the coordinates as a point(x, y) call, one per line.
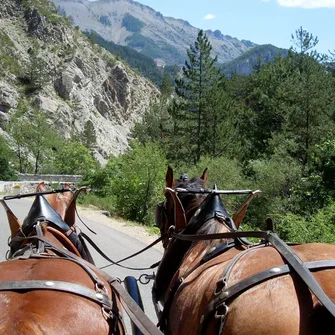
point(8, 97)
point(81, 81)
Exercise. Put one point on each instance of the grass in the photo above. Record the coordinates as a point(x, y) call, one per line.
point(105, 204)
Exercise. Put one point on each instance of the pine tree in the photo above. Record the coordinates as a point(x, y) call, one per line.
point(165, 88)
point(88, 136)
point(308, 98)
point(190, 113)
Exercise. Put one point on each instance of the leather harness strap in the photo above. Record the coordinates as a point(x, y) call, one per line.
point(217, 236)
point(302, 270)
point(228, 293)
point(243, 285)
point(292, 259)
point(135, 313)
point(100, 298)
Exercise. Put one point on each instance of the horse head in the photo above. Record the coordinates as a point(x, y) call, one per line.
point(51, 215)
point(50, 265)
point(185, 205)
point(58, 201)
point(206, 259)
point(190, 208)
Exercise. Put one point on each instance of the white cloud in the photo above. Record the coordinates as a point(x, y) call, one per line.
point(307, 3)
point(209, 17)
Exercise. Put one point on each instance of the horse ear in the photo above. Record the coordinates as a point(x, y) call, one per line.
point(41, 187)
point(204, 175)
point(169, 178)
point(70, 215)
point(239, 215)
point(68, 195)
point(14, 223)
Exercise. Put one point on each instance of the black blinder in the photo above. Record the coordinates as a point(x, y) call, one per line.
point(160, 214)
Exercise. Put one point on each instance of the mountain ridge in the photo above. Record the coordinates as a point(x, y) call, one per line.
point(163, 38)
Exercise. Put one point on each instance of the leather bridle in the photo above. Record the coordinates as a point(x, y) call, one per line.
point(37, 246)
point(223, 294)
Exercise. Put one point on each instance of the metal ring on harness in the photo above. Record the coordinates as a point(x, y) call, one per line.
point(100, 287)
point(146, 279)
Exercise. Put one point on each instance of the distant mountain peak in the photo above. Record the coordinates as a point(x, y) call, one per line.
point(160, 37)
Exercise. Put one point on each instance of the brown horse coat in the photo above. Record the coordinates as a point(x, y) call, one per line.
point(282, 305)
point(47, 311)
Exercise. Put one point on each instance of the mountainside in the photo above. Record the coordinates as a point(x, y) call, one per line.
point(165, 39)
point(258, 55)
point(51, 66)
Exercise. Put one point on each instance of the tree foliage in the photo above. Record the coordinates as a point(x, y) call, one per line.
point(88, 136)
point(194, 90)
point(133, 180)
point(74, 158)
point(7, 171)
point(34, 140)
point(272, 130)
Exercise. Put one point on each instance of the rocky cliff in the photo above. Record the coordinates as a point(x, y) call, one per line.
point(74, 82)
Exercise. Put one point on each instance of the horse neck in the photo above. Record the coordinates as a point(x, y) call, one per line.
point(199, 249)
point(59, 239)
point(48, 235)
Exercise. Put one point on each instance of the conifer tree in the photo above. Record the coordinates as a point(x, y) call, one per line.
point(165, 88)
point(193, 88)
point(308, 99)
point(88, 136)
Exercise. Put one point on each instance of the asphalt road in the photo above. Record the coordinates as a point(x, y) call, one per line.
point(115, 244)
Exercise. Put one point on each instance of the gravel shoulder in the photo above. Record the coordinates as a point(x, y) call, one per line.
point(126, 227)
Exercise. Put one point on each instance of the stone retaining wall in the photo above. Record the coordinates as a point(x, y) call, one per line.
point(28, 182)
point(50, 177)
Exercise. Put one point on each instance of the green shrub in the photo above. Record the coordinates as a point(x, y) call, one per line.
point(140, 182)
point(275, 177)
point(103, 203)
point(319, 227)
point(131, 184)
point(7, 171)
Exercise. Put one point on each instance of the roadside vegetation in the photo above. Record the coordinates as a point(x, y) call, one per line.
point(272, 130)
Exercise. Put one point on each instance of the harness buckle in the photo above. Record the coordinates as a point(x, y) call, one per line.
point(171, 230)
point(144, 279)
point(107, 312)
point(100, 288)
point(221, 285)
point(221, 311)
point(222, 317)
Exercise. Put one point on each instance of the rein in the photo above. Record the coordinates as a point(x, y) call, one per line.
point(291, 258)
point(134, 312)
point(268, 237)
point(88, 239)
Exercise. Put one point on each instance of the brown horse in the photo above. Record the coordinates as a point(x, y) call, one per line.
point(48, 285)
point(228, 285)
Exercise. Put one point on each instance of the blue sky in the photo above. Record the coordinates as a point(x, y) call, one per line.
point(260, 21)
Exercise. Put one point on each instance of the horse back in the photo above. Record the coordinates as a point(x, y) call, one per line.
point(281, 305)
point(48, 311)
